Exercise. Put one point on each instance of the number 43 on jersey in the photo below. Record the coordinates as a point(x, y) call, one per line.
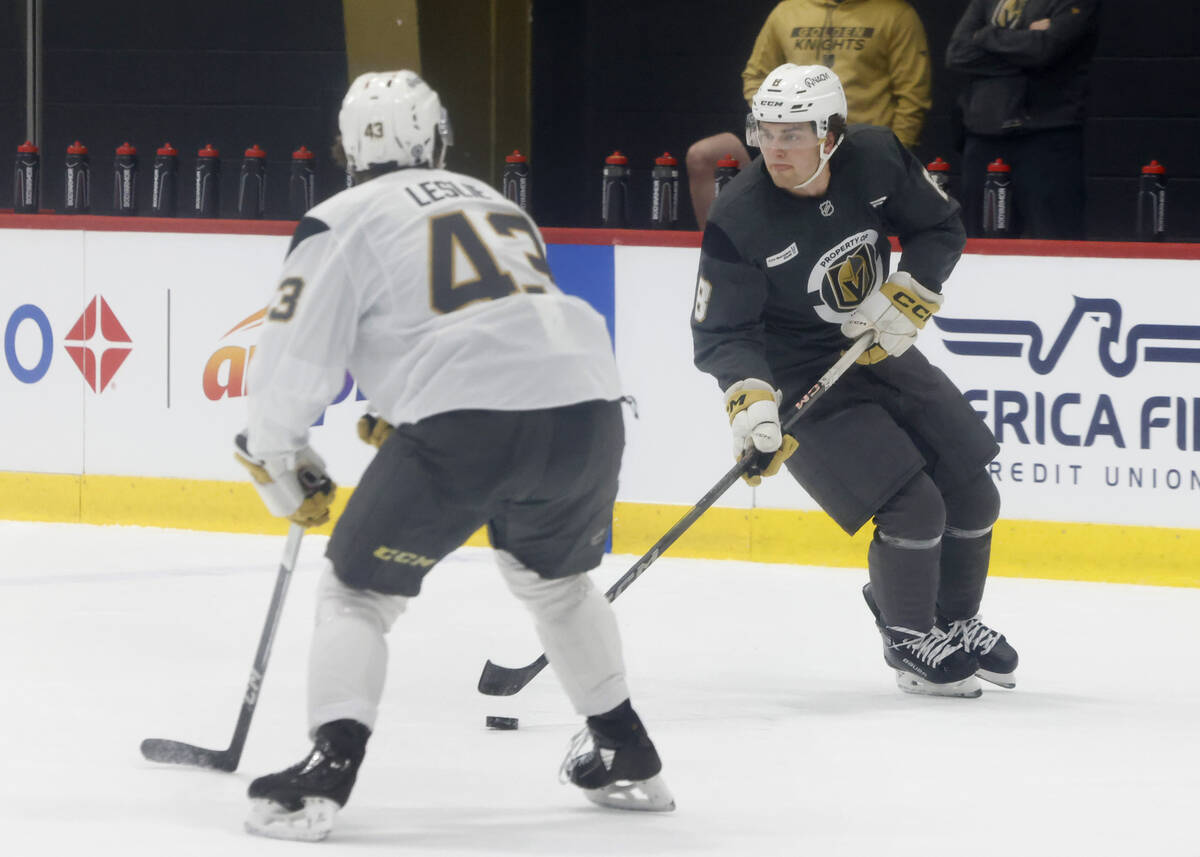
point(466, 267)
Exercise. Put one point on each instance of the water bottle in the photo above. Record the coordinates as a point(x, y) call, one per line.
point(727, 168)
point(664, 192)
point(515, 181)
point(939, 171)
point(252, 184)
point(997, 200)
point(614, 199)
point(1152, 203)
point(78, 180)
point(27, 181)
point(208, 182)
point(125, 180)
point(302, 183)
point(164, 191)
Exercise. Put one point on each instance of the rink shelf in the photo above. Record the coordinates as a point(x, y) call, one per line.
point(587, 236)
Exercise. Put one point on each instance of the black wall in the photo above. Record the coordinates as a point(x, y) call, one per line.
point(1145, 103)
point(648, 76)
point(12, 93)
point(228, 73)
point(640, 75)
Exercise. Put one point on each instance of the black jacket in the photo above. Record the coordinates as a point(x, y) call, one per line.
point(1023, 80)
point(779, 273)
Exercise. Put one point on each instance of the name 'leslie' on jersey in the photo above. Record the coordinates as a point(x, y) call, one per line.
point(427, 193)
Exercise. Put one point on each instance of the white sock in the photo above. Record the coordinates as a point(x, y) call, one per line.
point(348, 659)
point(578, 629)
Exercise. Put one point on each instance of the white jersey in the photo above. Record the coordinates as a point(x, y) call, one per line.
point(433, 290)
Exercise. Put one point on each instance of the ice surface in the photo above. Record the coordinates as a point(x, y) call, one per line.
point(780, 727)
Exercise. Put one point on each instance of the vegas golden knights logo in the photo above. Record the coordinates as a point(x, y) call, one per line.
point(1007, 12)
point(843, 275)
point(850, 279)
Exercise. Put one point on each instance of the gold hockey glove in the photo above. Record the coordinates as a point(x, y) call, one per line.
point(768, 463)
point(374, 430)
point(753, 409)
point(296, 487)
point(896, 311)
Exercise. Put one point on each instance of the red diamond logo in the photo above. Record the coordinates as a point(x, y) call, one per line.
point(86, 339)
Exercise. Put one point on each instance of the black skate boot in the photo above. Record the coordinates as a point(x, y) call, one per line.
point(997, 658)
point(615, 763)
point(301, 802)
point(927, 662)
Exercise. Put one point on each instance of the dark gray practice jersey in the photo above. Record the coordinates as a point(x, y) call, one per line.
point(779, 273)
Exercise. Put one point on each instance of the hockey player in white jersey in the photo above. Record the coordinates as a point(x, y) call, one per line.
point(434, 292)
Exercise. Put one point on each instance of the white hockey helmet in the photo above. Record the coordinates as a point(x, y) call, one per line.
point(793, 94)
point(393, 117)
point(797, 93)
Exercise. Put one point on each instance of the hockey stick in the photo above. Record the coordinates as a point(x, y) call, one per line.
point(496, 680)
point(179, 753)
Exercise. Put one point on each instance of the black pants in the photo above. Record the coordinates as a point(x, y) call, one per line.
point(544, 482)
point(877, 428)
point(1047, 182)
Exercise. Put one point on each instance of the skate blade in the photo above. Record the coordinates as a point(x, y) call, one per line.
point(1008, 680)
point(650, 795)
point(311, 823)
point(968, 688)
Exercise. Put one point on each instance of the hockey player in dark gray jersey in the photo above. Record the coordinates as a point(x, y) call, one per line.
point(794, 263)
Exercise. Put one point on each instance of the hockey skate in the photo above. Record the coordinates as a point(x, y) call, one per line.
point(615, 763)
point(997, 658)
point(926, 662)
point(301, 802)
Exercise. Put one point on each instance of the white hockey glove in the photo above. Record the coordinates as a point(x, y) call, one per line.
point(296, 487)
point(896, 311)
point(374, 429)
point(753, 408)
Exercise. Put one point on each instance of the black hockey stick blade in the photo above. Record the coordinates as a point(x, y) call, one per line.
point(178, 753)
point(496, 680)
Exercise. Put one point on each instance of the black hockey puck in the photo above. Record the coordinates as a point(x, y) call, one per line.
point(500, 722)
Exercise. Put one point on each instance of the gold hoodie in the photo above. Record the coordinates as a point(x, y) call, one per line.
point(877, 48)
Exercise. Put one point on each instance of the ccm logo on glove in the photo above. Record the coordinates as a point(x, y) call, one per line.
point(918, 311)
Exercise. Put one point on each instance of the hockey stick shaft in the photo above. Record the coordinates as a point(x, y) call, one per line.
point(179, 753)
point(496, 680)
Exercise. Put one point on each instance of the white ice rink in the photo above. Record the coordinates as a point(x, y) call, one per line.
point(781, 730)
